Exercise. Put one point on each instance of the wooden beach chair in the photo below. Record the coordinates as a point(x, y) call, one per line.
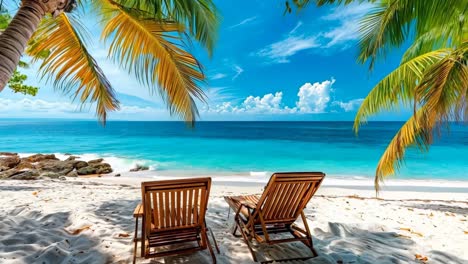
point(275, 211)
point(173, 213)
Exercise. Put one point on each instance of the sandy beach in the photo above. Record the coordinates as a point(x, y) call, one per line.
point(89, 220)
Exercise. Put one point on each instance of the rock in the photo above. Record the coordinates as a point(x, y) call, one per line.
point(72, 174)
point(25, 165)
point(117, 175)
point(139, 167)
point(10, 161)
point(62, 178)
point(86, 170)
point(102, 168)
point(26, 175)
point(95, 161)
point(8, 154)
point(8, 173)
point(67, 154)
point(71, 158)
point(3, 168)
point(80, 164)
point(50, 174)
point(41, 157)
point(61, 167)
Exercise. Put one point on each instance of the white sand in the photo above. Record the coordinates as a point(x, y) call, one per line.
point(40, 223)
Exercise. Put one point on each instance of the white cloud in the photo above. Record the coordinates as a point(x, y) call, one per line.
point(314, 98)
point(350, 105)
point(347, 28)
point(238, 71)
point(217, 76)
point(244, 22)
point(280, 51)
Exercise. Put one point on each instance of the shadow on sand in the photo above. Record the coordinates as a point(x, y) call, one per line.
point(31, 237)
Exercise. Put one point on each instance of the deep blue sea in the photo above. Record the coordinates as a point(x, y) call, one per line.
point(239, 148)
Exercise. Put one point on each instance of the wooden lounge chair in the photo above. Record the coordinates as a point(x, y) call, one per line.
point(174, 216)
point(275, 211)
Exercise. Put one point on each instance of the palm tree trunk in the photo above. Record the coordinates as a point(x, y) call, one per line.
point(14, 39)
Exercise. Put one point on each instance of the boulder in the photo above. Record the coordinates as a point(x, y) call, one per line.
point(62, 178)
point(139, 167)
point(117, 175)
point(26, 175)
point(71, 158)
point(8, 154)
point(86, 170)
point(72, 174)
point(102, 168)
point(8, 173)
point(80, 164)
point(25, 165)
point(9, 161)
point(3, 168)
point(41, 157)
point(96, 161)
point(61, 167)
point(50, 174)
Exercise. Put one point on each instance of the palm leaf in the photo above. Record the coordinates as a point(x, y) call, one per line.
point(142, 46)
point(70, 64)
point(199, 16)
point(397, 87)
point(417, 131)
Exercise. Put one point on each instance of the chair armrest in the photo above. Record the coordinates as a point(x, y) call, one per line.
point(138, 212)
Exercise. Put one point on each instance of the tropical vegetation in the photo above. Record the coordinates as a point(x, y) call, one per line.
point(146, 38)
point(432, 77)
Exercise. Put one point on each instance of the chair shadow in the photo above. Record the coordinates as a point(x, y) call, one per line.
point(32, 237)
point(441, 208)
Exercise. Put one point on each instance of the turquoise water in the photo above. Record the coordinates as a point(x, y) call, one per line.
point(239, 147)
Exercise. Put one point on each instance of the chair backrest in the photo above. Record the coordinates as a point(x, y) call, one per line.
point(287, 194)
point(175, 204)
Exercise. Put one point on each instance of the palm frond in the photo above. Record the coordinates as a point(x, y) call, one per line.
point(391, 22)
point(398, 86)
point(200, 17)
point(142, 46)
point(417, 131)
point(70, 65)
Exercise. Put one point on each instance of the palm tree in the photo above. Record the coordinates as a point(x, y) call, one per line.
point(146, 38)
point(432, 76)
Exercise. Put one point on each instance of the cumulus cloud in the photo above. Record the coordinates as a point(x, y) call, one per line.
point(350, 105)
point(280, 51)
point(314, 98)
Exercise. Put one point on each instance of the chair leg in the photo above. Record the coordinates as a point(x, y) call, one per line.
point(135, 241)
point(246, 239)
point(214, 241)
point(210, 248)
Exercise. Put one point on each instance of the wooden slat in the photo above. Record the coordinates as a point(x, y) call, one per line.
point(166, 209)
point(173, 208)
point(195, 207)
point(299, 194)
point(274, 201)
point(268, 203)
point(179, 209)
point(161, 209)
point(155, 210)
point(190, 210)
point(184, 207)
point(284, 199)
point(202, 204)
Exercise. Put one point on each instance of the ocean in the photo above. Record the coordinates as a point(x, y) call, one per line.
point(244, 149)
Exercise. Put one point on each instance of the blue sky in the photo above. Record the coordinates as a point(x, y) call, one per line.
point(265, 66)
